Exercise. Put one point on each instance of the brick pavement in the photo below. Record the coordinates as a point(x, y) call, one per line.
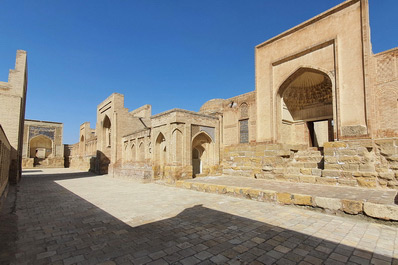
point(65, 217)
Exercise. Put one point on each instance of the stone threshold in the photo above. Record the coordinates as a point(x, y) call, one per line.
point(375, 203)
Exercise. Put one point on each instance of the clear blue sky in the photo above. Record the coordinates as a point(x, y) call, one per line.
point(167, 53)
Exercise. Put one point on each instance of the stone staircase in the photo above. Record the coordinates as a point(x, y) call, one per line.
point(296, 166)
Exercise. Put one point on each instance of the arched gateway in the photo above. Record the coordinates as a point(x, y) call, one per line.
point(307, 100)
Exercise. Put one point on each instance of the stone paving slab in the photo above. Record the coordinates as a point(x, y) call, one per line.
point(375, 203)
point(65, 217)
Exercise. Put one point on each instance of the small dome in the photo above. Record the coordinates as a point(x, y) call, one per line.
point(213, 105)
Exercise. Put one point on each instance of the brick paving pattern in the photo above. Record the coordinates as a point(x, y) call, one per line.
point(66, 217)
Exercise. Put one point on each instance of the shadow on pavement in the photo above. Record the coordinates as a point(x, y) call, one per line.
point(56, 226)
point(31, 170)
point(60, 176)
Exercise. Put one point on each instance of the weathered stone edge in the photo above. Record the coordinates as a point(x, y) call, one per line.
point(353, 207)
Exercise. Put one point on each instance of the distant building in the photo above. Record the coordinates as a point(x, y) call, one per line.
point(42, 144)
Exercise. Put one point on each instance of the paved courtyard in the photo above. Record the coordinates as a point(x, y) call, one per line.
point(59, 216)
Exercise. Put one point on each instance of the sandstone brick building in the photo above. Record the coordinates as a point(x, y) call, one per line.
point(42, 144)
point(324, 111)
point(12, 114)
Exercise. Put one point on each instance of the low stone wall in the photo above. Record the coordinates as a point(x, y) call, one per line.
point(331, 205)
point(5, 161)
point(259, 159)
point(364, 163)
point(132, 170)
point(367, 163)
point(84, 163)
point(49, 162)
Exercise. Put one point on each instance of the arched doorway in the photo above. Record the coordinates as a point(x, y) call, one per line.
point(106, 132)
point(41, 147)
point(82, 146)
point(307, 108)
point(202, 153)
point(196, 161)
point(160, 154)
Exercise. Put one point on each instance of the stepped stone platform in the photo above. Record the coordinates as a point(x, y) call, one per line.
point(375, 203)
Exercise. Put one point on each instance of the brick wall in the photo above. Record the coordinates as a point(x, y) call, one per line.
point(5, 151)
point(386, 92)
point(12, 111)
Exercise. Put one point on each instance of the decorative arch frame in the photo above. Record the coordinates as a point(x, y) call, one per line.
point(288, 80)
point(40, 136)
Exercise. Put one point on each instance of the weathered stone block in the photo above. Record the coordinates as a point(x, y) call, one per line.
point(353, 130)
point(329, 152)
point(293, 170)
point(326, 180)
point(331, 159)
point(306, 171)
point(179, 183)
point(254, 194)
point(271, 153)
point(349, 159)
point(230, 190)
point(278, 170)
point(369, 174)
point(316, 172)
point(267, 168)
point(331, 173)
point(385, 212)
point(328, 203)
point(334, 145)
point(187, 185)
point(348, 182)
point(311, 165)
point(222, 189)
point(352, 207)
point(348, 152)
point(386, 175)
point(392, 184)
point(367, 182)
point(308, 179)
point(346, 174)
point(300, 199)
point(269, 195)
point(383, 183)
point(334, 166)
point(284, 153)
point(291, 178)
point(284, 198)
point(367, 167)
point(356, 174)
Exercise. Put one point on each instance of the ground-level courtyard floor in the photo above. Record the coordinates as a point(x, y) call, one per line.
point(61, 216)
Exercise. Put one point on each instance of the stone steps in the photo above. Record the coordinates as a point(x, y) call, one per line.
point(378, 204)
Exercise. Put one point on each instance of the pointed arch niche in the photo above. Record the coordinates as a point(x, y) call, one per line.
point(106, 132)
point(160, 150)
point(306, 111)
point(202, 153)
point(40, 146)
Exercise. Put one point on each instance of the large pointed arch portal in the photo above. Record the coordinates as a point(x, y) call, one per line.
point(307, 96)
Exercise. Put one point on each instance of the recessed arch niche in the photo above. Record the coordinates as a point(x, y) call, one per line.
point(307, 101)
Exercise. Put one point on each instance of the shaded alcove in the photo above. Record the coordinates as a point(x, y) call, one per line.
point(40, 146)
point(307, 108)
point(202, 153)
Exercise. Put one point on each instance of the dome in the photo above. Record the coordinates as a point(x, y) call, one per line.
point(213, 105)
